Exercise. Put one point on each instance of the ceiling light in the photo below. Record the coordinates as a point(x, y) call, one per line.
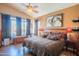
point(29, 10)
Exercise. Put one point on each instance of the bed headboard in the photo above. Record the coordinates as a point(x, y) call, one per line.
point(56, 29)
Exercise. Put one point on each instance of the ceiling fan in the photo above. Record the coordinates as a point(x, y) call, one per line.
point(31, 8)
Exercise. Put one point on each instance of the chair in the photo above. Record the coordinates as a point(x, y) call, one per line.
point(6, 41)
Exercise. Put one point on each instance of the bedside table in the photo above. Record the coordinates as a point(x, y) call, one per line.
point(77, 48)
point(71, 45)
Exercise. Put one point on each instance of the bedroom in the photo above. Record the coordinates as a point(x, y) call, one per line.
point(20, 23)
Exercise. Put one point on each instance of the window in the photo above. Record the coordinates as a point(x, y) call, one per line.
point(23, 27)
point(13, 27)
point(38, 24)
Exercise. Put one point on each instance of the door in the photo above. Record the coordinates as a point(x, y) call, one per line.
point(0, 32)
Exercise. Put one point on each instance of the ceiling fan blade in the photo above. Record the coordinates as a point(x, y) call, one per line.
point(29, 6)
point(35, 11)
point(35, 6)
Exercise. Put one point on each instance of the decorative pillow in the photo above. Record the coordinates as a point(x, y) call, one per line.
point(54, 38)
point(45, 34)
point(51, 37)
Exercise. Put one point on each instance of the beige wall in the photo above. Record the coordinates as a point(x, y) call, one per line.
point(6, 9)
point(69, 14)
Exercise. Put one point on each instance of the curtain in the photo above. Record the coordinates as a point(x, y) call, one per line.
point(18, 29)
point(28, 26)
point(36, 27)
point(5, 26)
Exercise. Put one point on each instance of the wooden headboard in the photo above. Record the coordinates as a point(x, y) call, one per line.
point(59, 29)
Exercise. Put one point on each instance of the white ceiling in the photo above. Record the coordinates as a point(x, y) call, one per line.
point(43, 8)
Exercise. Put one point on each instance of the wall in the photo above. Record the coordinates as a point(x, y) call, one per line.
point(69, 14)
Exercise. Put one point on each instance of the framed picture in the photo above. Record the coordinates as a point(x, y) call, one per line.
point(55, 21)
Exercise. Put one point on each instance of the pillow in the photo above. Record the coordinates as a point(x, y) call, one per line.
point(52, 37)
point(49, 36)
point(56, 37)
point(45, 34)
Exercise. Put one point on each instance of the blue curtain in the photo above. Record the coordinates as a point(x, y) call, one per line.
point(28, 26)
point(36, 27)
point(18, 22)
point(5, 26)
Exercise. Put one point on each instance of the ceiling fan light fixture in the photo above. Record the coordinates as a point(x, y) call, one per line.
point(29, 10)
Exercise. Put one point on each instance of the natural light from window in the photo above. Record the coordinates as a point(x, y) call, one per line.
point(13, 27)
point(23, 27)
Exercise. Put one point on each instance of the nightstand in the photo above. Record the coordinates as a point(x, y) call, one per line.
point(70, 45)
point(77, 48)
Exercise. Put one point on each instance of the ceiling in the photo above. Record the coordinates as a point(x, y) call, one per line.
point(43, 8)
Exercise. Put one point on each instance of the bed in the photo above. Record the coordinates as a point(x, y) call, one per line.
point(44, 47)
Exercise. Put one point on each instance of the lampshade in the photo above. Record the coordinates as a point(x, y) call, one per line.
point(29, 10)
point(69, 29)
